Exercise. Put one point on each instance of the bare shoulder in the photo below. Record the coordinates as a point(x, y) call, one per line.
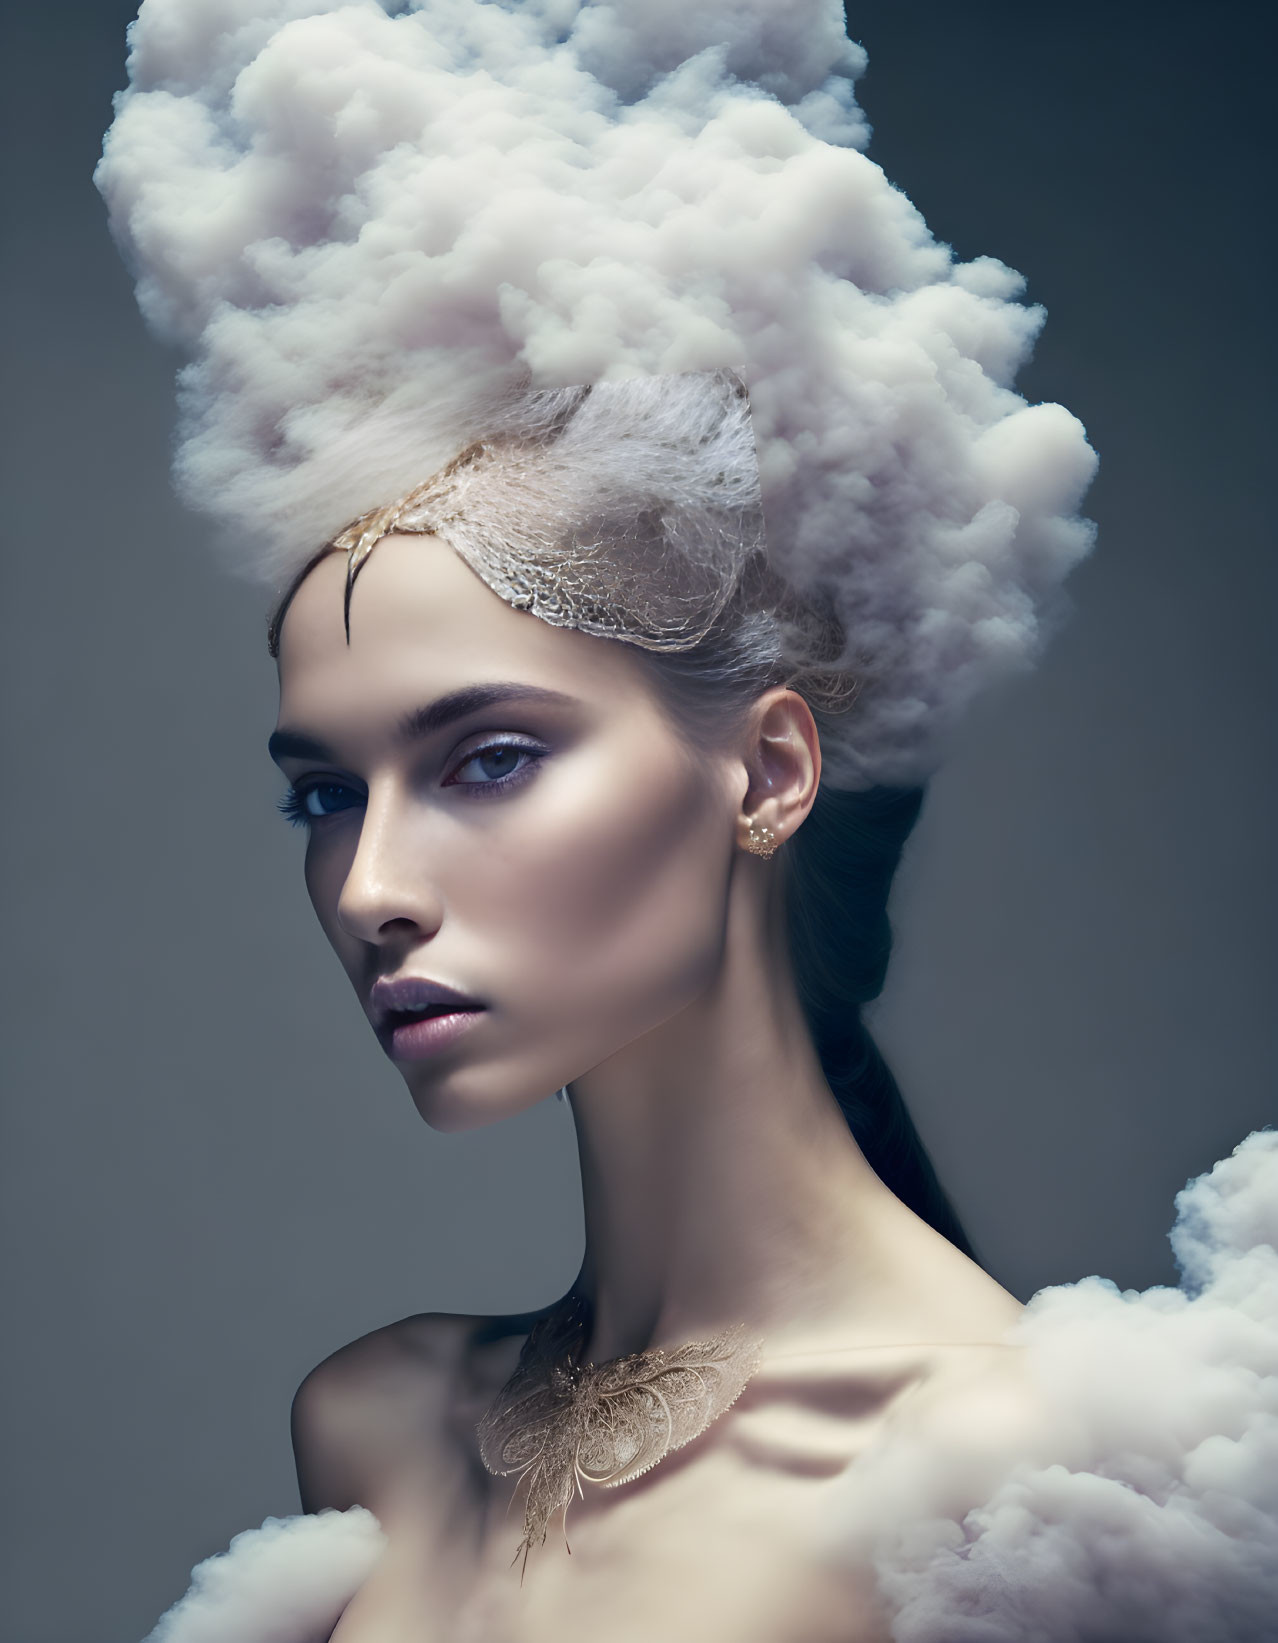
point(974, 1415)
point(979, 1393)
point(393, 1399)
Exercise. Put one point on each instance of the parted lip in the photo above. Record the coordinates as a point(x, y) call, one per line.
point(411, 995)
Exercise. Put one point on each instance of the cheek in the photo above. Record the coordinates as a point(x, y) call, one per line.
point(326, 866)
point(609, 901)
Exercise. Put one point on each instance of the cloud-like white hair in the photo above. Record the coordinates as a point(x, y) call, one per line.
point(362, 226)
point(1159, 1524)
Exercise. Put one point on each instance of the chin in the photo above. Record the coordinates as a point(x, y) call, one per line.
point(452, 1105)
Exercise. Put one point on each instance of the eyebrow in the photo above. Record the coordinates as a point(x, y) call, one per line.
point(424, 721)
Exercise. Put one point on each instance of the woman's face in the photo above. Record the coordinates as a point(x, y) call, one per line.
point(500, 808)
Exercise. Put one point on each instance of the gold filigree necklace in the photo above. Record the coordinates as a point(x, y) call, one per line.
point(559, 1423)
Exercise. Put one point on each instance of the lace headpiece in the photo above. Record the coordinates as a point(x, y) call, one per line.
point(555, 524)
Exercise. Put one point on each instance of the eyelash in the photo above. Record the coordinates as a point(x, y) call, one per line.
point(293, 805)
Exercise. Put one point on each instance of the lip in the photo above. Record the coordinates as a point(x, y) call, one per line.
point(408, 1034)
point(429, 1034)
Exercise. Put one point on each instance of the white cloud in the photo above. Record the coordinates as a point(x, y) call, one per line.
point(353, 220)
point(1157, 1520)
point(288, 1580)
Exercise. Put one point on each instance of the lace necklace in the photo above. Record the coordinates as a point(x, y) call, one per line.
point(559, 1423)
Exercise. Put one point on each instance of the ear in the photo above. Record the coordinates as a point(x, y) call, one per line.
point(783, 762)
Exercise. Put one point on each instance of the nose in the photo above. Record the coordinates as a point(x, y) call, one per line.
point(389, 891)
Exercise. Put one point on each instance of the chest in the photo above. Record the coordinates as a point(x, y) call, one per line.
point(744, 1535)
point(716, 1552)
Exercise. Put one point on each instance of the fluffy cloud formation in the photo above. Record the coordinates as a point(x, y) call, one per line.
point(286, 1582)
point(360, 226)
point(1159, 1521)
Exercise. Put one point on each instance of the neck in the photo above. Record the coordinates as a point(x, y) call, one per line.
point(721, 1183)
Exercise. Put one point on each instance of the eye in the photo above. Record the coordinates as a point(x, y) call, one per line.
point(496, 765)
point(309, 802)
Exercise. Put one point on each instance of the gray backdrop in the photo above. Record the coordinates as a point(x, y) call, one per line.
point(212, 1177)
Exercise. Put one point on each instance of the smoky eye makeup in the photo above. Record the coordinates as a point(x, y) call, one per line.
point(312, 799)
point(489, 764)
point(486, 765)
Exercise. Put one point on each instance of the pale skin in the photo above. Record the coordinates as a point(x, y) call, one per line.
point(601, 906)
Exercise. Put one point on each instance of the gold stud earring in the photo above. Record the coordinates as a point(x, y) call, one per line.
point(760, 840)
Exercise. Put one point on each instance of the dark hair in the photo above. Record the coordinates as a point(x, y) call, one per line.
point(840, 867)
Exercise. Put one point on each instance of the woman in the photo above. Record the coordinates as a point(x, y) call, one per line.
point(556, 721)
point(550, 859)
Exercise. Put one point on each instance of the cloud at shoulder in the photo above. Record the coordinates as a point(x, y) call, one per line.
point(1159, 1523)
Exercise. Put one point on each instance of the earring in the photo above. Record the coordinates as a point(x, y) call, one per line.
point(760, 840)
